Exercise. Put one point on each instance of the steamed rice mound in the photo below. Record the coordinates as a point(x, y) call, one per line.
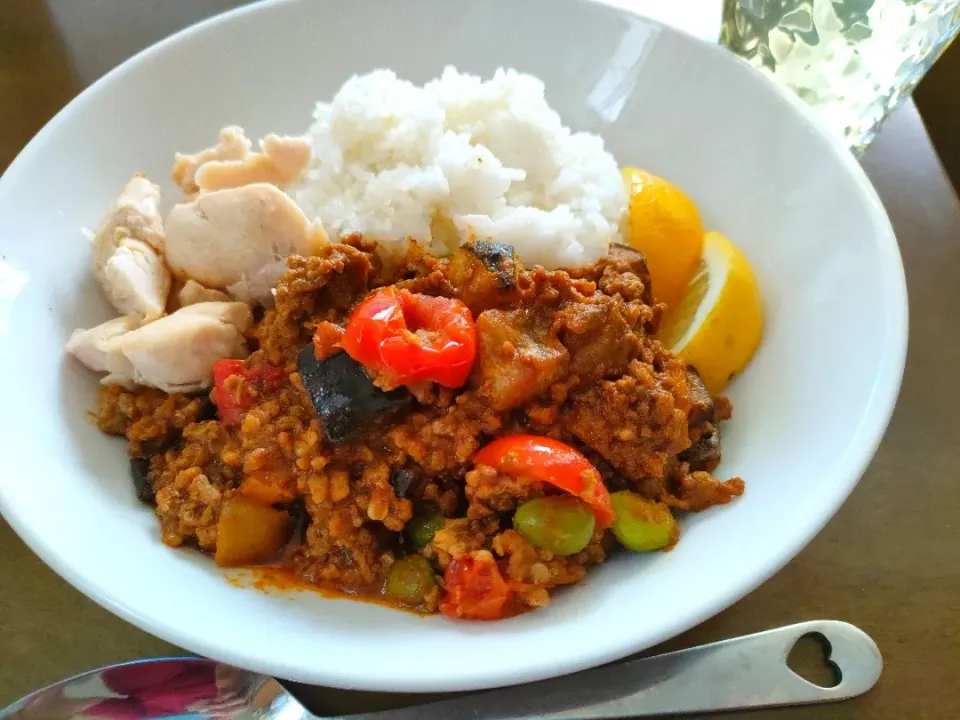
point(460, 159)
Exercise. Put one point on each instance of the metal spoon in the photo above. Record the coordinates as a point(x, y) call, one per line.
point(746, 672)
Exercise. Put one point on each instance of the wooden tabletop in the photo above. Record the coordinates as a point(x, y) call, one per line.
point(888, 561)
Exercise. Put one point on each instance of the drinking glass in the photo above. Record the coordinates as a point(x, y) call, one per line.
point(852, 61)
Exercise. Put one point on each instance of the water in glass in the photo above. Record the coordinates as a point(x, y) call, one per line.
point(853, 61)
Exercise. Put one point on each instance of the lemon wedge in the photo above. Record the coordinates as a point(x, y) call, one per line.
point(664, 224)
point(718, 322)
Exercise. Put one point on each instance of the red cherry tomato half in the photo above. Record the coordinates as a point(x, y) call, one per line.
point(550, 461)
point(474, 589)
point(405, 338)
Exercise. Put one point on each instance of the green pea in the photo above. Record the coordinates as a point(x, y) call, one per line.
point(562, 525)
point(410, 580)
point(642, 525)
point(420, 529)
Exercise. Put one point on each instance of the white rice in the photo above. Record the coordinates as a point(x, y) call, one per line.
point(396, 161)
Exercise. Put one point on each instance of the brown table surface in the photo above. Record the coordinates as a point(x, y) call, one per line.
point(888, 562)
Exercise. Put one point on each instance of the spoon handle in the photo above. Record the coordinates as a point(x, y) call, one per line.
point(737, 674)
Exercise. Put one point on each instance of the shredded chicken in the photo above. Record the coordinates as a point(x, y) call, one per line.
point(239, 240)
point(126, 252)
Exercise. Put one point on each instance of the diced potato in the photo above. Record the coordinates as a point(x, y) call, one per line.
point(268, 487)
point(249, 532)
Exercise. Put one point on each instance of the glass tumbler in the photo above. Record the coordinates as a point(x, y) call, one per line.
point(852, 61)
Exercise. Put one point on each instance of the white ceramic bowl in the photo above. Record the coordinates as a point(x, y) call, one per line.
point(810, 409)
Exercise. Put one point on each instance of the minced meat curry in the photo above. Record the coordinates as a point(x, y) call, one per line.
point(459, 435)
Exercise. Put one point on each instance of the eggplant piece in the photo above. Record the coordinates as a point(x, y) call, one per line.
point(539, 359)
point(299, 520)
point(498, 259)
point(485, 275)
point(154, 446)
point(599, 338)
point(343, 395)
point(704, 454)
point(403, 480)
point(388, 540)
point(703, 408)
point(208, 411)
point(140, 474)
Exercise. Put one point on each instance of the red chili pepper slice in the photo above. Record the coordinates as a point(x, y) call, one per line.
point(407, 337)
point(474, 588)
point(257, 382)
point(550, 461)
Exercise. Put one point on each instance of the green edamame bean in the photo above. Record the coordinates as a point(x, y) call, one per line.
point(420, 529)
point(562, 525)
point(410, 580)
point(641, 524)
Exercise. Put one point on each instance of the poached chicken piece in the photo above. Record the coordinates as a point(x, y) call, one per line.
point(126, 252)
point(193, 292)
point(175, 353)
point(281, 162)
point(93, 347)
point(239, 239)
point(227, 249)
point(231, 164)
point(233, 145)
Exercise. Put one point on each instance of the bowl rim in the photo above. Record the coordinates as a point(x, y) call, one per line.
point(866, 439)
